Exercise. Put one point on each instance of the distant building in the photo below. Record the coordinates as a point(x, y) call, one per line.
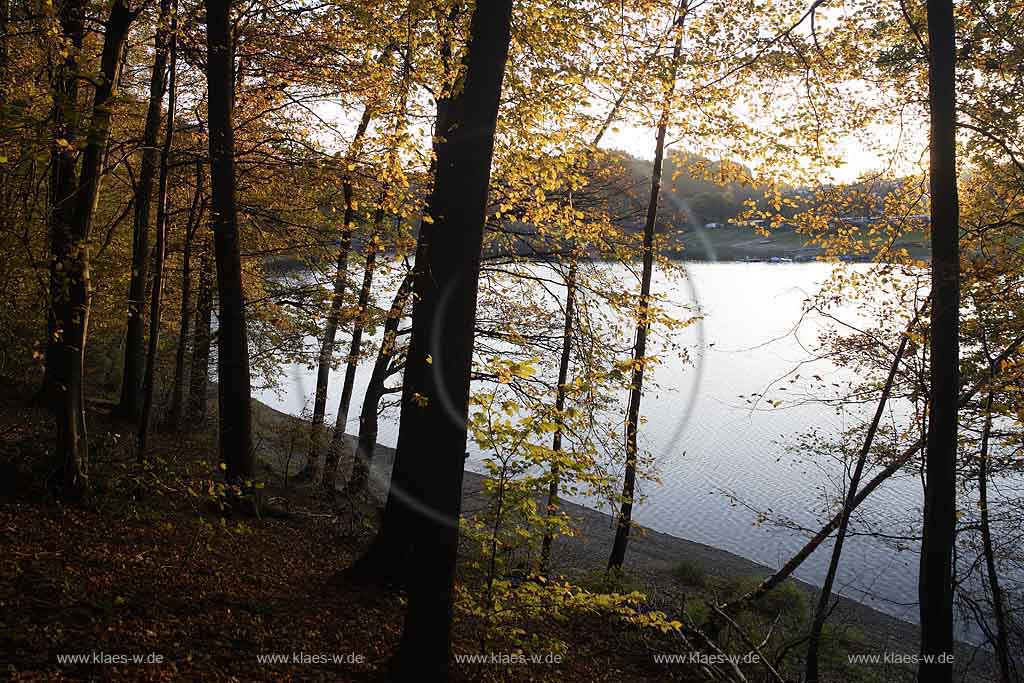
point(712, 226)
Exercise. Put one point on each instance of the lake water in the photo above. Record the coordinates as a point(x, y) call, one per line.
point(719, 460)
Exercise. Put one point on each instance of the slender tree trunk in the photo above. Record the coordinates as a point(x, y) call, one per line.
point(323, 370)
point(1001, 644)
point(72, 266)
point(185, 317)
point(939, 528)
point(368, 420)
point(563, 362)
point(560, 394)
point(822, 610)
point(338, 438)
point(892, 468)
point(624, 521)
point(135, 339)
point(435, 397)
point(63, 180)
point(200, 367)
point(155, 309)
point(235, 409)
point(567, 333)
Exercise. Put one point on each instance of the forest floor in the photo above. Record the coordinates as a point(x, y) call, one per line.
point(153, 568)
point(151, 581)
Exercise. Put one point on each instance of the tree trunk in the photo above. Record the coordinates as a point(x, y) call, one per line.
point(939, 528)
point(563, 379)
point(200, 367)
point(624, 521)
point(1001, 644)
point(194, 221)
point(135, 339)
point(323, 370)
point(62, 181)
point(435, 398)
point(382, 369)
point(822, 610)
point(338, 438)
point(386, 559)
point(567, 334)
point(235, 410)
point(72, 268)
point(155, 308)
point(892, 468)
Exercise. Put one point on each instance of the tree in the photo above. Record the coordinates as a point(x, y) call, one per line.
point(200, 367)
point(427, 484)
point(70, 279)
point(135, 340)
point(383, 368)
point(63, 177)
point(326, 358)
point(235, 411)
point(390, 173)
point(936, 578)
point(195, 219)
point(160, 257)
point(636, 388)
point(822, 609)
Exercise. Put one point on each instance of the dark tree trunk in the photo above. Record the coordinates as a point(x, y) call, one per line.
point(155, 309)
point(939, 529)
point(822, 610)
point(71, 270)
point(135, 339)
point(560, 394)
point(195, 219)
point(386, 559)
point(382, 369)
point(323, 370)
point(235, 410)
point(199, 371)
point(1002, 643)
point(63, 175)
point(338, 438)
point(624, 521)
point(435, 398)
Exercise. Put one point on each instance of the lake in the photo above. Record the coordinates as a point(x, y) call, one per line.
point(720, 461)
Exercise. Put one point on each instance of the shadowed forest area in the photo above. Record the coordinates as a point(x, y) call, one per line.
point(508, 340)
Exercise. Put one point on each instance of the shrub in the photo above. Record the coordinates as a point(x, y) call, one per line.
point(690, 574)
point(609, 581)
point(785, 599)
